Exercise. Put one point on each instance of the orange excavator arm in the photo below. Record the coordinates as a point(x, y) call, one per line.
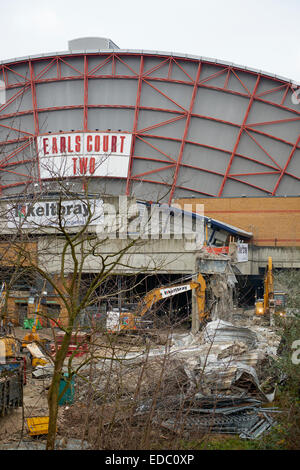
point(161, 293)
point(33, 335)
point(269, 286)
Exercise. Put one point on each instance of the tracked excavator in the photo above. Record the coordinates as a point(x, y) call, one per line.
point(273, 302)
point(133, 321)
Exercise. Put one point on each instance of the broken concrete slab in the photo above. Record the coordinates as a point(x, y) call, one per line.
point(219, 331)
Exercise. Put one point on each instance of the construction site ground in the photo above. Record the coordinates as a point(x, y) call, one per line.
point(13, 430)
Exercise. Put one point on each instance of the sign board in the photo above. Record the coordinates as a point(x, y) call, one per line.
point(242, 252)
point(113, 321)
point(50, 213)
point(168, 292)
point(84, 154)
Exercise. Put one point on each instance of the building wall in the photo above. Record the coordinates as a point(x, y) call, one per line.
point(199, 128)
point(17, 254)
point(273, 221)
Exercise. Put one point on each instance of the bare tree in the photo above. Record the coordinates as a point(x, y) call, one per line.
point(60, 248)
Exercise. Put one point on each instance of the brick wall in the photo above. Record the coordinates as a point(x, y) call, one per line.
point(274, 221)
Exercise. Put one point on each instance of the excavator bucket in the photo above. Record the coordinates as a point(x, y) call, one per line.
point(30, 338)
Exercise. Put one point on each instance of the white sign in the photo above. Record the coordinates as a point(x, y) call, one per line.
point(113, 321)
point(242, 252)
point(168, 292)
point(49, 213)
point(84, 154)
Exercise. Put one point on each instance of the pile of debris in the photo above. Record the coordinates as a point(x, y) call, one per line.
point(216, 414)
point(212, 382)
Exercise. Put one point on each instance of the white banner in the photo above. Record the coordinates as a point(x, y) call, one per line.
point(168, 292)
point(48, 213)
point(242, 252)
point(84, 154)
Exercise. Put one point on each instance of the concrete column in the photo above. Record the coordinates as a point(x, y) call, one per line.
point(195, 313)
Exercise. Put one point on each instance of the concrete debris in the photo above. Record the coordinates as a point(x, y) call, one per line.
point(43, 372)
point(223, 358)
point(264, 424)
point(60, 444)
point(247, 423)
point(219, 331)
point(215, 414)
point(215, 381)
point(223, 369)
point(234, 349)
point(37, 352)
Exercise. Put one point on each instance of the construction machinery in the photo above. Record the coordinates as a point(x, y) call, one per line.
point(273, 302)
point(32, 341)
point(9, 345)
point(33, 336)
point(2, 295)
point(3, 322)
point(126, 320)
point(9, 348)
point(12, 374)
point(12, 381)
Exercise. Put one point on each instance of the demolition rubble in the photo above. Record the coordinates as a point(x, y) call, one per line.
point(217, 381)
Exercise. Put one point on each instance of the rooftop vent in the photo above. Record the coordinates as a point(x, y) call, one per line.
point(87, 44)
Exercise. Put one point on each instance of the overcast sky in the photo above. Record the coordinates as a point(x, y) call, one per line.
point(263, 34)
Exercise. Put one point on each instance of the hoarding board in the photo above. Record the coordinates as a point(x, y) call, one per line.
point(53, 213)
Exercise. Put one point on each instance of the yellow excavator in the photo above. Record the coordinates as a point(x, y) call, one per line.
point(3, 324)
point(32, 340)
point(272, 302)
point(129, 321)
point(33, 335)
point(9, 345)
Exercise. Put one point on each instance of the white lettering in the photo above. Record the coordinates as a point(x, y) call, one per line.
point(296, 354)
point(84, 154)
point(168, 292)
point(71, 213)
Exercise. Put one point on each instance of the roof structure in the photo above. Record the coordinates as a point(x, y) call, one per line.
point(199, 127)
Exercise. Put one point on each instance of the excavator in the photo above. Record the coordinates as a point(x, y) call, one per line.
point(32, 340)
point(2, 302)
point(33, 335)
point(10, 348)
point(272, 302)
point(128, 321)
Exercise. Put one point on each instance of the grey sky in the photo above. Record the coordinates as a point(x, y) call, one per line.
point(262, 34)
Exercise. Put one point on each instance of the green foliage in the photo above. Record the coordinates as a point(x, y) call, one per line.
point(288, 281)
point(286, 369)
point(286, 433)
point(220, 442)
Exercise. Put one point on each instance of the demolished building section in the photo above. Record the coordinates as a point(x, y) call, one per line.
point(217, 381)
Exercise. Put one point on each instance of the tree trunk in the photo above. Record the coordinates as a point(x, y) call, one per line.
point(53, 394)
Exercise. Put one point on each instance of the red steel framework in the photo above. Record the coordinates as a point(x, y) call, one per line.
point(144, 77)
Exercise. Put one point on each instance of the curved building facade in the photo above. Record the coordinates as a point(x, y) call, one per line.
point(154, 125)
